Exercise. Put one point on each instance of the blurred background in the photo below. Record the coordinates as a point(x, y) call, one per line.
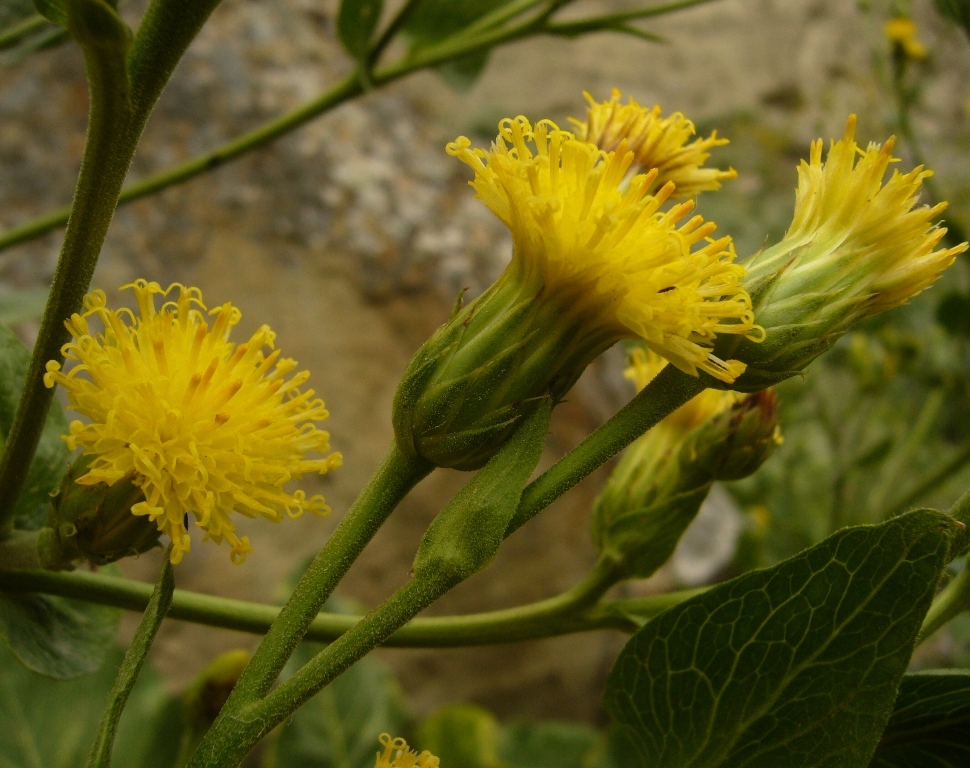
point(352, 235)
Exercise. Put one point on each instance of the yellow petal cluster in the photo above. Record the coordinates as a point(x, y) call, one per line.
point(205, 426)
point(864, 233)
point(656, 142)
point(579, 230)
point(904, 32)
point(644, 365)
point(397, 755)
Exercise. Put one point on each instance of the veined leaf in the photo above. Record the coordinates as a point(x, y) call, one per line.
point(796, 665)
point(930, 724)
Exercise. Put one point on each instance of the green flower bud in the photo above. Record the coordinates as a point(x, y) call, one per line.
point(94, 522)
point(660, 483)
point(856, 247)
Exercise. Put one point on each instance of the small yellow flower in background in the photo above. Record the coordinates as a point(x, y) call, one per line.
point(203, 425)
point(629, 268)
point(857, 246)
point(656, 142)
point(904, 32)
point(644, 365)
point(397, 755)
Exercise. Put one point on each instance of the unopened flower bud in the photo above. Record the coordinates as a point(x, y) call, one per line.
point(660, 483)
point(94, 522)
point(595, 260)
point(856, 247)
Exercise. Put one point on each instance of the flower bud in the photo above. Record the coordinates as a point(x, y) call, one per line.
point(856, 247)
point(95, 522)
point(660, 483)
point(595, 260)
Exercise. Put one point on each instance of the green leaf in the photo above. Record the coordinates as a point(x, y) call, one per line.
point(50, 723)
point(338, 728)
point(930, 725)
point(462, 73)
point(550, 745)
point(356, 22)
point(795, 665)
point(55, 11)
point(436, 20)
point(57, 637)
point(465, 536)
point(134, 659)
point(461, 735)
point(17, 306)
point(50, 460)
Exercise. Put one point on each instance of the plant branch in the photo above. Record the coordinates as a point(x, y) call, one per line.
point(952, 601)
point(545, 618)
point(665, 394)
point(483, 35)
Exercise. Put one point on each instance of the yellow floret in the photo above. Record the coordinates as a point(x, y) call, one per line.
point(397, 755)
point(204, 426)
point(656, 142)
point(905, 33)
point(578, 231)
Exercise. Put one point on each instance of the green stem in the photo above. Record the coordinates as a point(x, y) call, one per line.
point(545, 618)
point(605, 23)
point(665, 394)
point(952, 601)
point(135, 656)
point(931, 482)
point(13, 35)
point(396, 475)
point(460, 44)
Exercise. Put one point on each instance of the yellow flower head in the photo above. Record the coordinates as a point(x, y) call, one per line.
point(656, 142)
point(644, 365)
point(609, 252)
point(397, 755)
point(904, 32)
point(203, 425)
point(857, 246)
point(864, 232)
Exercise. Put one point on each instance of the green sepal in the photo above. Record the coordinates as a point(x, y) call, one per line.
point(94, 522)
point(465, 536)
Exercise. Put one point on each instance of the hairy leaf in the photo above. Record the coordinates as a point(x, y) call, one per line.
point(338, 728)
point(930, 725)
point(356, 22)
point(50, 460)
point(795, 665)
point(46, 723)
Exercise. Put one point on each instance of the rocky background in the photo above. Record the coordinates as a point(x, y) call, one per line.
point(352, 235)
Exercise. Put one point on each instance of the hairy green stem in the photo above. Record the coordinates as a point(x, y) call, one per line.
point(158, 606)
point(124, 85)
point(665, 394)
point(931, 482)
point(951, 602)
point(545, 618)
point(396, 475)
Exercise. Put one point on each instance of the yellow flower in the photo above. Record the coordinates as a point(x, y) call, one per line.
point(397, 755)
point(656, 142)
point(203, 425)
point(904, 32)
point(856, 247)
point(609, 253)
point(644, 365)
